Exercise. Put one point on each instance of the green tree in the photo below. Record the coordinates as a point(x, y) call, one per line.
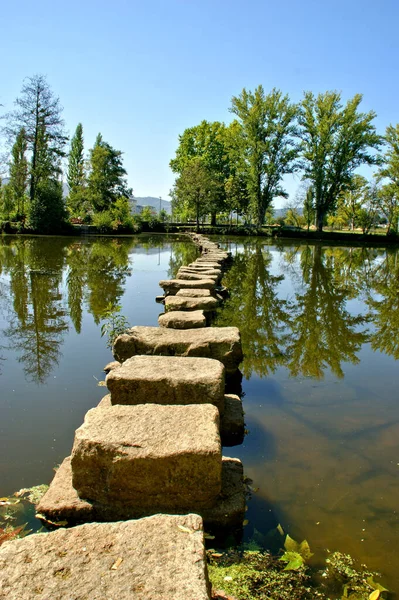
point(107, 177)
point(388, 200)
point(390, 166)
point(38, 111)
point(236, 184)
point(268, 130)
point(194, 189)
point(6, 201)
point(207, 142)
point(335, 140)
point(352, 199)
point(76, 176)
point(47, 211)
point(308, 207)
point(19, 172)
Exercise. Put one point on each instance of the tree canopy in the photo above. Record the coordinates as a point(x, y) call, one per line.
point(335, 141)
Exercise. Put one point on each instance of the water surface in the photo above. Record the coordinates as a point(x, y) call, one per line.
point(319, 327)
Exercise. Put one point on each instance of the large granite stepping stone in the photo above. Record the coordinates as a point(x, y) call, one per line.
point(155, 558)
point(232, 427)
point(221, 343)
point(194, 293)
point(149, 455)
point(180, 319)
point(187, 303)
point(201, 270)
point(187, 275)
point(167, 380)
point(61, 503)
point(207, 265)
point(171, 286)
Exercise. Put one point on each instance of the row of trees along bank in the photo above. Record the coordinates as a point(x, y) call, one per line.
point(237, 168)
point(33, 193)
point(240, 168)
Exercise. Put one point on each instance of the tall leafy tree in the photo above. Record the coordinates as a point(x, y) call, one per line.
point(390, 166)
point(19, 172)
point(389, 195)
point(206, 141)
point(76, 176)
point(39, 112)
point(107, 176)
point(352, 199)
point(193, 189)
point(268, 125)
point(335, 141)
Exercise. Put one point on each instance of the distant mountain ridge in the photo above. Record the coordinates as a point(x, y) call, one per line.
point(154, 202)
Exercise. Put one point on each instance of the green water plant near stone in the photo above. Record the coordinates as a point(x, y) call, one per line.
point(257, 574)
point(114, 325)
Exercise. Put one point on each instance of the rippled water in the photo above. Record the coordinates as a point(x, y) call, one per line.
point(319, 326)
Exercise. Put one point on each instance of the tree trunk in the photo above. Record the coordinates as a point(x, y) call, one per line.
point(319, 219)
point(197, 218)
point(213, 219)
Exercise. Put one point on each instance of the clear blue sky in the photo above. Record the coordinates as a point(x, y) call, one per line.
point(141, 72)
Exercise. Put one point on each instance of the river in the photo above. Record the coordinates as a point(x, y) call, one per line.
point(319, 325)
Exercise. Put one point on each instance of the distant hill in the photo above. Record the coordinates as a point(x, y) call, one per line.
point(154, 202)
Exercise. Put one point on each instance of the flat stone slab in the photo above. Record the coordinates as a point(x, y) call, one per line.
point(189, 276)
point(221, 343)
point(149, 455)
point(171, 286)
point(158, 557)
point(167, 380)
point(62, 504)
point(187, 303)
point(208, 264)
point(196, 293)
point(180, 319)
point(211, 257)
point(200, 271)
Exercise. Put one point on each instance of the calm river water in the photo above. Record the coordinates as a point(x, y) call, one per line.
point(319, 326)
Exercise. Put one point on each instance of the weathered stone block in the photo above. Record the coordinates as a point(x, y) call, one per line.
point(221, 343)
point(188, 276)
point(61, 502)
point(149, 455)
point(155, 558)
point(171, 286)
point(194, 293)
point(180, 319)
point(187, 303)
point(167, 380)
point(213, 273)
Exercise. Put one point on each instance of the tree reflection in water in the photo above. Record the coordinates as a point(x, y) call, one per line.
point(306, 333)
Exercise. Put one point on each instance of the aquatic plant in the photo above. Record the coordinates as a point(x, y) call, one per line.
point(114, 325)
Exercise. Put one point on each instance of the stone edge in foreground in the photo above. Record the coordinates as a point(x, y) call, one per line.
point(158, 557)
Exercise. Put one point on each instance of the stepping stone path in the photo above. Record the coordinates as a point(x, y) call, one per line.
point(153, 445)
